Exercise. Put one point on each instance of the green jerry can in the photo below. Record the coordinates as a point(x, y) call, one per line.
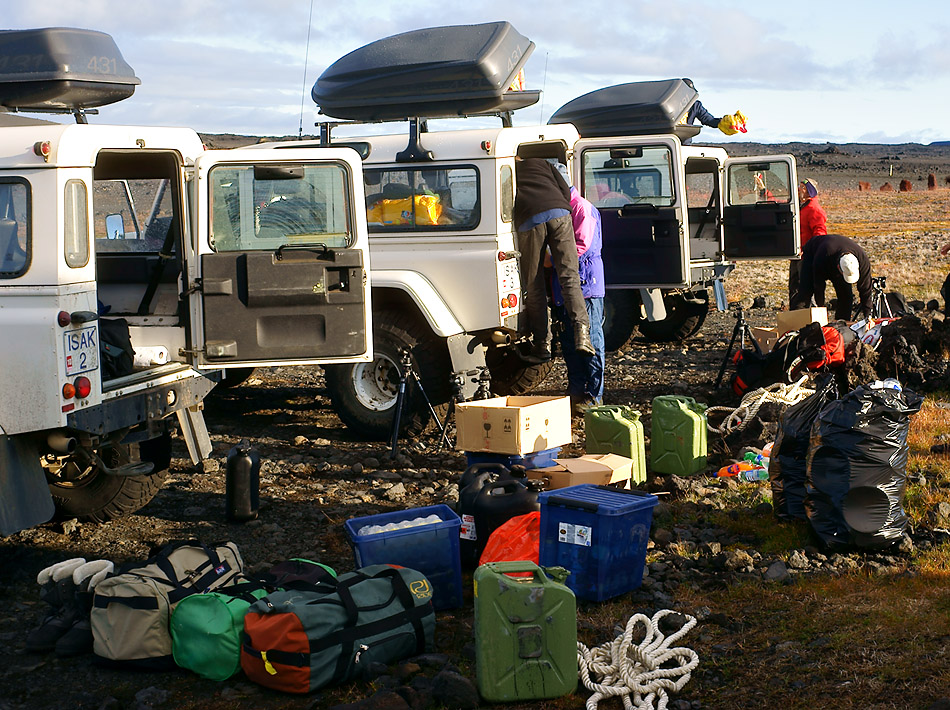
point(525, 632)
point(678, 435)
point(617, 429)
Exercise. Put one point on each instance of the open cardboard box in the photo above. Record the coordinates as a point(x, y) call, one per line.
point(786, 321)
point(766, 338)
point(598, 469)
point(513, 425)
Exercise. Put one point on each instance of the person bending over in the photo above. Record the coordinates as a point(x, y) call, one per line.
point(842, 261)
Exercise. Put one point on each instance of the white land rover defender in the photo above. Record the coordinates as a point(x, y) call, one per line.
point(136, 267)
point(439, 206)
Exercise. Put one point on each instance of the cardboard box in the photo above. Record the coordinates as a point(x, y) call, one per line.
point(513, 425)
point(796, 320)
point(597, 469)
point(766, 338)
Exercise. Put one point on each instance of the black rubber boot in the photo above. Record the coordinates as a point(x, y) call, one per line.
point(57, 590)
point(582, 340)
point(78, 639)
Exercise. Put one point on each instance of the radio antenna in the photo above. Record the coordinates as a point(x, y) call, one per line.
point(544, 83)
point(306, 61)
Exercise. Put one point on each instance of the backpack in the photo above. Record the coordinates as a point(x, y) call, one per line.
point(299, 641)
point(131, 610)
point(115, 347)
point(206, 628)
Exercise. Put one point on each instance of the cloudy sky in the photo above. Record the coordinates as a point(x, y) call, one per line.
point(840, 70)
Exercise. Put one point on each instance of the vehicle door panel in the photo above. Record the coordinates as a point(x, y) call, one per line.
point(760, 217)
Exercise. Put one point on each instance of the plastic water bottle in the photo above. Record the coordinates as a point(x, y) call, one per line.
point(754, 474)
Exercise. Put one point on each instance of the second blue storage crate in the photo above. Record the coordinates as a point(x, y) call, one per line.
point(600, 534)
point(432, 549)
point(539, 459)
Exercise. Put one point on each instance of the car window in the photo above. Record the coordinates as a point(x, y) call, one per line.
point(76, 224)
point(15, 236)
point(421, 199)
point(131, 215)
point(759, 182)
point(614, 178)
point(265, 206)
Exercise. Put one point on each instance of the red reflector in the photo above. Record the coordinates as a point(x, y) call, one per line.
point(502, 256)
point(63, 318)
point(42, 149)
point(69, 407)
point(69, 391)
point(512, 300)
point(83, 387)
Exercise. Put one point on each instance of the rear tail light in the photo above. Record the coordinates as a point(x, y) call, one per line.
point(512, 299)
point(63, 318)
point(83, 387)
point(69, 390)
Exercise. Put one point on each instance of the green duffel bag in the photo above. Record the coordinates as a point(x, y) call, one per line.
point(300, 641)
point(206, 628)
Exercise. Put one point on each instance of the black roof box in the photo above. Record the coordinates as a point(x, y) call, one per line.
point(61, 69)
point(456, 70)
point(636, 108)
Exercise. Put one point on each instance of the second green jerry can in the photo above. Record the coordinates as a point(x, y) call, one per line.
point(678, 435)
point(617, 429)
point(525, 632)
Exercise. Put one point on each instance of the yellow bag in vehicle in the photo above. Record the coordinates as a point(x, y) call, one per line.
point(427, 210)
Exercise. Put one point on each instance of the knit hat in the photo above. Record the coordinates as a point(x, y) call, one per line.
point(811, 186)
point(848, 265)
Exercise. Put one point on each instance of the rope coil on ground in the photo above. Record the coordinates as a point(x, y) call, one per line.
point(738, 419)
point(635, 671)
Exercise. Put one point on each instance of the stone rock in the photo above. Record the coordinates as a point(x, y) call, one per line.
point(151, 697)
point(887, 187)
point(863, 186)
point(70, 526)
point(396, 492)
point(737, 559)
point(797, 560)
point(301, 441)
point(662, 537)
point(110, 703)
point(906, 186)
point(455, 691)
point(931, 182)
point(777, 572)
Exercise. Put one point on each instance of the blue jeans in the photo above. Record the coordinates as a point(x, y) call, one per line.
point(585, 375)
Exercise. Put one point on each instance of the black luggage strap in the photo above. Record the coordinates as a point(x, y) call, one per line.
point(103, 602)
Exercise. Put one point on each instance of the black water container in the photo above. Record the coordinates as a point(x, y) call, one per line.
point(490, 496)
point(243, 482)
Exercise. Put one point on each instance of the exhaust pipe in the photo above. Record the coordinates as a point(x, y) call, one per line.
point(499, 337)
point(60, 442)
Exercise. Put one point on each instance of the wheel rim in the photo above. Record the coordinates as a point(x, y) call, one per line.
point(376, 383)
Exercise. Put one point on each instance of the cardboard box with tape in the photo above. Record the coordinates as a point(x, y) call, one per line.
point(798, 319)
point(513, 425)
point(598, 469)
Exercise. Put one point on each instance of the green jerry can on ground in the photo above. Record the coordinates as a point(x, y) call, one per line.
point(678, 435)
point(525, 632)
point(617, 429)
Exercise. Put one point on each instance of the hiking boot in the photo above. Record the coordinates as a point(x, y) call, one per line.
point(56, 589)
point(582, 340)
point(78, 639)
point(539, 353)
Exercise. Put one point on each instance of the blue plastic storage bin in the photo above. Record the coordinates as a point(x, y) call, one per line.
point(539, 459)
point(432, 549)
point(598, 533)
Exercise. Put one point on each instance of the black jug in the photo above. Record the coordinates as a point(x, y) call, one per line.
point(243, 482)
point(472, 481)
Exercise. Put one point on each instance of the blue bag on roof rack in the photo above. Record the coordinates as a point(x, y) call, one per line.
point(455, 70)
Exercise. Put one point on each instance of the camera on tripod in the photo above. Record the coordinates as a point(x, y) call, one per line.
point(879, 283)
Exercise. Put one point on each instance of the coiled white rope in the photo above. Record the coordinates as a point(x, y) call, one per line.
point(739, 418)
point(635, 671)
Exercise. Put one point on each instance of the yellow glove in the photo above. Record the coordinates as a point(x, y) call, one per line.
point(733, 123)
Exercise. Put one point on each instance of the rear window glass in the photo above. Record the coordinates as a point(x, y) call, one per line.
point(614, 177)
point(422, 199)
point(132, 215)
point(15, 238)
point(759, 182)
point(266, 206)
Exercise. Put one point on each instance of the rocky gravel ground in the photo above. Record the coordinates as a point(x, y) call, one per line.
point(315, 475)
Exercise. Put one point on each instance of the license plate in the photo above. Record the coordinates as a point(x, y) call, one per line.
point(82, 350)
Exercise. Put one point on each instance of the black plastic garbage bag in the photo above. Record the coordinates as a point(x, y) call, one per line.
point(790, 451)
point(857, 467)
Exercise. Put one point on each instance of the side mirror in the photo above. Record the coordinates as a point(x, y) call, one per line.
point(115, 226)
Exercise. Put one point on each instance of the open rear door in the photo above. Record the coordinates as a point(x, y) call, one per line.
point(639, 190)
point(760, 215)
point(282, 270)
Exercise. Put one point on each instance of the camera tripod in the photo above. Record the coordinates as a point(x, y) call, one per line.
point(406, 372)
point(880, 308)
point(741, 331)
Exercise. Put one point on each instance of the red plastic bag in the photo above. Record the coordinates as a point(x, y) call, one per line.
point(517, 539)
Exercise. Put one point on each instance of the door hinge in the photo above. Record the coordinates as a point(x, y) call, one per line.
point(191, 351)
point(196, 287)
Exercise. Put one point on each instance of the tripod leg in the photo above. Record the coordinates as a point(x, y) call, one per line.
point(725, 360)
point(435, 416)
point(397, 417)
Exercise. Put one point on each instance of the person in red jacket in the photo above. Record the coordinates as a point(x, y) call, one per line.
point(811, 223)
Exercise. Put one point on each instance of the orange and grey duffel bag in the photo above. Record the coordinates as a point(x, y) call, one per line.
point(299, 641)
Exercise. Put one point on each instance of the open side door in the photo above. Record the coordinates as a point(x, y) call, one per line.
point(282, 274)
point(760, 214)
point(637, 185)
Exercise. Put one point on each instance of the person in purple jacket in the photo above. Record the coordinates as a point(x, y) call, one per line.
point(585, 374)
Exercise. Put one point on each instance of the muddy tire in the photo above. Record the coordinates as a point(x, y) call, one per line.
point(621, 316)
point(511, 376)
point(95, 496)
point(683, 319)
point(364, 394)
point(234, 376)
